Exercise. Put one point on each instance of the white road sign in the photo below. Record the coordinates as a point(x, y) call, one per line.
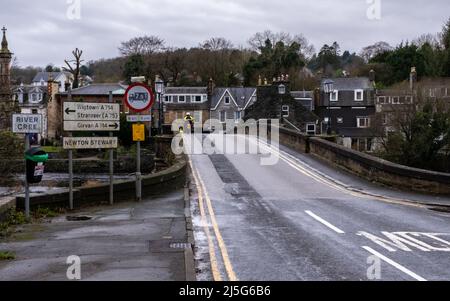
point(91, 126)
point(139, 118)
point(83, 111)
point(27, 123)
point(90, 142)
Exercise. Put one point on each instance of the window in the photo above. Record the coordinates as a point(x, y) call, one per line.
point(340, 120)
point(223, 116)
point(285, 110)
point(175, 98)
point(359, 95)
point(34, 97)
point(334, 96)
point(237, 116)
point(385, 119)
point(188, 98)
point(381, 99)
point(198, 98)
point(182, 98)
point(395, 100)
point(311, 129)
point(408, 99)
point(227, 100)
point(363, 122)
point(34, 111)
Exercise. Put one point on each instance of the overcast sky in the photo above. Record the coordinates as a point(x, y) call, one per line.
point(40, 32)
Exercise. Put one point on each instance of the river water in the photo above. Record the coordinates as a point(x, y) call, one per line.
point(56, 182)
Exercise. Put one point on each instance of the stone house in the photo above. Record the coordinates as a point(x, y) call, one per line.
point(42, 100)
point(348, 111)
point(231, 103)
point(64, 79)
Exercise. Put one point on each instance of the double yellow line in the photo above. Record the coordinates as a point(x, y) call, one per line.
point(206, 216)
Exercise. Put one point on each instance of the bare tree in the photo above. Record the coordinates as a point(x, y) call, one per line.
point(259, 40)
point(367, 53)
point(217, 43)
point(75, 69)
point(141, 45)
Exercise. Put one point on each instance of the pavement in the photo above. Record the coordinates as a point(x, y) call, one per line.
point(144, 241)
point(300, 219)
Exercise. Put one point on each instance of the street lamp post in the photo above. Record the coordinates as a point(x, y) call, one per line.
point(159, 88)
point(328, 86)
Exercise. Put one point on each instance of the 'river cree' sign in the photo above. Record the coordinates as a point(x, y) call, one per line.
point(90, 142)
point(27, 123)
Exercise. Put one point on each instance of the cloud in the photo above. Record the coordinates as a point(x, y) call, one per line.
point(39, 32)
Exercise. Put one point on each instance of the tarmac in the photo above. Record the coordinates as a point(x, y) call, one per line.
point(147, 241)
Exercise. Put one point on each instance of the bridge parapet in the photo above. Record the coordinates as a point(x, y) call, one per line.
point(369, 167)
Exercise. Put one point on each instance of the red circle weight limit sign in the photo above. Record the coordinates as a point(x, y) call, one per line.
point(139, 97)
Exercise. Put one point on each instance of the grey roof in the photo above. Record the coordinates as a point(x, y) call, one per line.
point(46, 75)
point(302, 94)
point(186, 90)
point(350, 83)
point(28, 88)
point(99, 89)
point(240, 95)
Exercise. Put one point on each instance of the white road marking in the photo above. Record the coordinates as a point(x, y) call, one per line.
point(321, 220)
point(394, 264)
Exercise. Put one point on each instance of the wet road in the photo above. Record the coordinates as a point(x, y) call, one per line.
point(302, 220)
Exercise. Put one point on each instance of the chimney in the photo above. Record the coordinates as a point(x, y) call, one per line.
point(412, 78)
point(372, 76)
point(210, 87)
point(67, 86)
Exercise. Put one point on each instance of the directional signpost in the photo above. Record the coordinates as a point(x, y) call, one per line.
point(91, 117)
point(27, 124)
point(139, 98)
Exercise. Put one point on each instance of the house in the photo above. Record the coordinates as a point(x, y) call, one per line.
point(275, 101)
point(403, 99)
point(231, 103)
point(62, 78)
point(178, 101)
point(348, 110)
point(41, 100)
point(305, 98)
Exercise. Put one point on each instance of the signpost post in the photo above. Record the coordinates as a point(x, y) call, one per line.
point(139, 98)
point(27, 124)
point(91, 117)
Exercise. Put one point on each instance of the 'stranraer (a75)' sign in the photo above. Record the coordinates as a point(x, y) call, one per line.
point(90, 142)
point(83, 111)
point(27, 123)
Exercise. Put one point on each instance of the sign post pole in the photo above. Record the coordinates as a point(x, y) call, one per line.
point(138, 173)
point(69, 97)
point(139, 98)
point(27, 186)
point(111, 163)
point(27, 124)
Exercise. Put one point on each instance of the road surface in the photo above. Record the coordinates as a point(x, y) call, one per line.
point(302, 220)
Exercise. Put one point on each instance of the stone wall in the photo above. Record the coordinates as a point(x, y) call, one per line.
point(369, 167)
point(167, 180)
point(124, 165)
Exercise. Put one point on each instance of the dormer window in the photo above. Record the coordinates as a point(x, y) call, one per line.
point(359, 95)
point(227, 100)
point(334, 96)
